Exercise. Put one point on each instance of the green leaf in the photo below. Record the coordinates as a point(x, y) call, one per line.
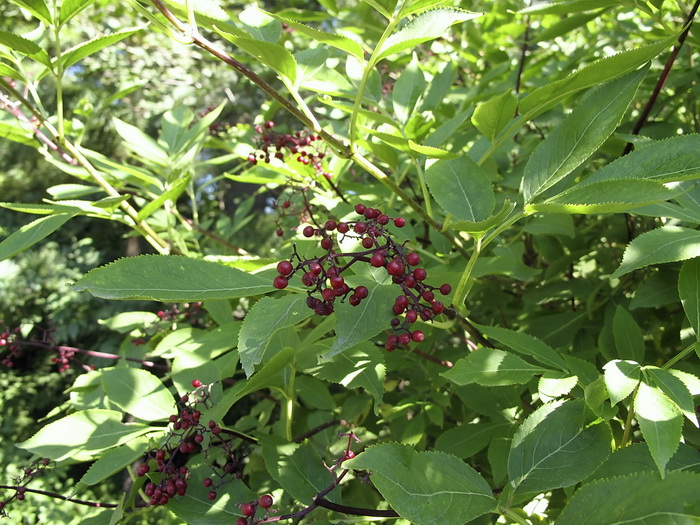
point(37, 8)
point(260, 25)
point(30, 234)
point(114, 460)
point(662, 245)
point(639, 498)
point(689, 292)
point(407, 90)
point(195, 508)
point(580, 135)
point(425, 487)
point(461, 188)
point(82, 435)
point(568, 7)
point(621, 378)
point(411, 7)
point(139, 393)
point(491, 367)
point(549, 95)
point(525, 344)
point(338, 41)
point(275, 56)
point(70, 8)
point(264, 319)
point(565, 25)
point(357, 323)
point(660, 421)
point(466, 440)
point(25, 47)
point(554, 448)
point(125, 322)
point(361, 366)
point(171, 195)
point(8, 71)
point(169, 278)
point(298, 468)
point(553, 385)
point(492, 116)
point(84, 49)
point(144, 146)
point(431, 152)
point(608, 196)
point(309, 61)
point(675, 389)
point(629, 340)
point(384, 7)
point(428, 25)
point(485, 225)
point(669, 160)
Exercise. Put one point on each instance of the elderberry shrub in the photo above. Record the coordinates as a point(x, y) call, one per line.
point(29, 473)
point(323, 275)
point(187, 436)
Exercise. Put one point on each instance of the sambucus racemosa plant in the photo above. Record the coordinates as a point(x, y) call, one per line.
point(437, 201)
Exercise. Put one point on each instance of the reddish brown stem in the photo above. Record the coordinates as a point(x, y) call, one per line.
point(93, 353)
point(60, 496)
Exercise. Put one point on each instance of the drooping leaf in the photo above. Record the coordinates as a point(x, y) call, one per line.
point(114, 460)
point(662, 245)
point(461, 188)
point(608, 196)
point(425, 487)
point(264, 319)
point(297, 467)
point(629, 339)
point(144, 146)
point(424, 27)
point(30, 234)
point(491, 367)
point(673, 159)
point(139, 393)
point(660, 421)
point(169, 278)
point(82, 435)
point(580, 135)
point(555, 448)
point(332, 39)
point(359, 366)
point(638, 498)
point(492, 116)
point(621, 378)
point(357, 323)
point(689, 292)
point(526, 344)
point(84, 49)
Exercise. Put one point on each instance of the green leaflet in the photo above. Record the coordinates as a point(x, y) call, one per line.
point(525, 344)
point(580, 135)
point(689, 292)
point(662, 245)
point(82, 435)
point(461, 188)
point(169, 278)
point(84, 49)
point(621, 378)
point(38, 8)
point(492, 116)
point(70, 8)
point(407, 90)
point(139, 393)
point(629, 339)
point(638, 498)
point(32, 233)
point(491, 367)
point(554, 448)
point(25, 47)
point(426, 487)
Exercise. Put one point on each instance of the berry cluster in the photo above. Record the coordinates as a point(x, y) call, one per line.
point(8, 340)
point(250, 508)
point(323, 275)
point(294, 202)
point(65, 355)
point(187, 436)
point(275, 144)
point(34, 470)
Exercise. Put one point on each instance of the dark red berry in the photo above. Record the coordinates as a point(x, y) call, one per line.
point(211, 495)
point(411, 316)
point(445, 289)
point(308, 231)
point(360, 227)
point(399, 222)
point(413, 259)
point(286, 204)
point(280, 282)
point(383, 219)
point(315, 268)
point(326, 243)
point(397, 309)
point(279, 233)
point(269, 124)
point(410, 281)
point(402, 301)
point(331, 225)
point(391, 342)
point(377, 260)
point(265, 501)
point(337, 282)
point(207, 482)
point(420, 274)
point(417, 336)
point(248, 509)
point(354, 300)
point(404, 339)
point(241, 521)
point(367, 242)
point(284, 267)
point(362, 292)
point(308, 279)
point(438, 307)
point(428, 295)
point(343, 228)
point(360, 208)
point(395, 268)
point(196, 383)
point(328, 294)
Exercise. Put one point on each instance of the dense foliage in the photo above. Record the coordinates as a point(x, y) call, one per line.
point(422, 261)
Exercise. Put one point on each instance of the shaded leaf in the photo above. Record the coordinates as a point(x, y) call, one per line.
point(84, 49)
point(169, 278)
point(425, 487)
point(466, 440)
point(629, 340)
point(114, 460)
point(689, 292)
point(408, 88)
point(25, 47)
point(491, 367)
point(30, 234)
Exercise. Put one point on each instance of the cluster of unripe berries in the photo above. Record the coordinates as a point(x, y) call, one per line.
point(187, 436)
point(249, 509)
point(29, 473)
point(301, 145)
point(323, 275)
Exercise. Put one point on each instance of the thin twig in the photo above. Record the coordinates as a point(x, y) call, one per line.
point(60, 496)
point(319, 428)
